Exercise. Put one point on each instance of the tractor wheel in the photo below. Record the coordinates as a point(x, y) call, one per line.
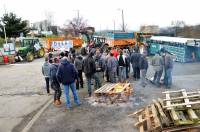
point(29, 57)
point(41, 53)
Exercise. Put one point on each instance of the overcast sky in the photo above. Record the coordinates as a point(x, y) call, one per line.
point(103, 13)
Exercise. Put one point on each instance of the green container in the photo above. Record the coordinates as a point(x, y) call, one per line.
point(154, 48)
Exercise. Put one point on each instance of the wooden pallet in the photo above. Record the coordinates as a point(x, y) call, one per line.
point(148, 119)
point(183, 106)
point(181, 99)
point(188, 128)
point(111, 93)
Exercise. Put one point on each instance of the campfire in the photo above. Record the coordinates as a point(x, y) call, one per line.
point(113, 93)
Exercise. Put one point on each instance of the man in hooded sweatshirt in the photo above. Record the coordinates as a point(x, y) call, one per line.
point(46, 73)
point(90, 70)
point(66, 75)
point(79, 66)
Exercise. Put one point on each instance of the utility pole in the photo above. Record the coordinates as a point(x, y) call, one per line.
point(4, 32)
point(123, 28)
point(113, 26)
point(4, 28)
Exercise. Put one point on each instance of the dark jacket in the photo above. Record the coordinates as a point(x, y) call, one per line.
point(89, 67)
point(135, 58)
point(66, 73)
point(168, 61)
point(53, 72)
point(143, 63)
point(99, 63)
point(79, 63)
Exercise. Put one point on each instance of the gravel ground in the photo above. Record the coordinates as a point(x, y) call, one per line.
point(90, 118)
point(22, 94)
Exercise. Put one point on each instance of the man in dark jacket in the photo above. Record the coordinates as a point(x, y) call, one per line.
point(100, 65)
point(90, 70)
point(143, 63)
point(79, 66)
point(55, 85)
point(66, 75)
point(135, 57)
point(168, 66)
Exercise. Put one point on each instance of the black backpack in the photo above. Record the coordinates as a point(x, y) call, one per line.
point(121, 61)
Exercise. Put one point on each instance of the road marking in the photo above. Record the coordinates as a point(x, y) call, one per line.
point(34, 119)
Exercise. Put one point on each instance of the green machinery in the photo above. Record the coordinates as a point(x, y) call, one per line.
point(30, 48)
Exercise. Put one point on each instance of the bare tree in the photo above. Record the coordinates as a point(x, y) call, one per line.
point(125, 28)
point(75, 25)
point(177, 24)
point(48, 22)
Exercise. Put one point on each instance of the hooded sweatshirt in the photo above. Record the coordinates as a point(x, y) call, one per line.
point(66, 73)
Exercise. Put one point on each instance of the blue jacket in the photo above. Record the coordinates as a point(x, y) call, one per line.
point(135, 58)
point(66, 73)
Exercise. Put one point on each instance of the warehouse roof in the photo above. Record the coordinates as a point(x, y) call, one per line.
point(174, 39)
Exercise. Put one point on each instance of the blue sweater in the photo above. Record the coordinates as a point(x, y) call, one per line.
point(66, 73)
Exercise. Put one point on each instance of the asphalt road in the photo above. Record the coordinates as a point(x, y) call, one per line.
point(22, 95)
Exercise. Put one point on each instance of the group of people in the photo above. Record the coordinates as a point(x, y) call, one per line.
point(163, 61)
point(113, 67)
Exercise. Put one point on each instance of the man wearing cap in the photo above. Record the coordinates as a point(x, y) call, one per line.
point(157, 63)
point(143, 63)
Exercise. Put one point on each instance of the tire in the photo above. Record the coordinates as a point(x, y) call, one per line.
point(29, 57)
point(41, 53)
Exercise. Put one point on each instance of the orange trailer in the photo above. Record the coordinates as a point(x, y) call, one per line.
point(77, 42)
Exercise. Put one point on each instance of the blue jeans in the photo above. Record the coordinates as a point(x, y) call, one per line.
point(143, 77)
point(97, 81)
point(66, 90)
point(168, 77)
point(122, 74)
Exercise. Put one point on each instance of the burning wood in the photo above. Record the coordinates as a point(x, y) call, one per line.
point(112, 93)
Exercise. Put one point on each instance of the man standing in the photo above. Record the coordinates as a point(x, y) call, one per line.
point(168, 65)
point(107, 72)
point(122, 66)
point(79, 66)
point(143, 63)
point(55, 85)
point(128, 60)
point(135, 58)
point(157, 63)
point(100, 65)
point(90, 70)
point(112, 65)
point(46, 73)
point(66, 75)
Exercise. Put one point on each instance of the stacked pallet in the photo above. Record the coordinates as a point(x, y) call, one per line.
point(178, 111)
point(112, 93)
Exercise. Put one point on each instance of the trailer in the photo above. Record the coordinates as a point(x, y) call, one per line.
point(185, 49)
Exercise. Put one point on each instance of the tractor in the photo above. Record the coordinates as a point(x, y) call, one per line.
point(93, 41)
point(30, 48)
